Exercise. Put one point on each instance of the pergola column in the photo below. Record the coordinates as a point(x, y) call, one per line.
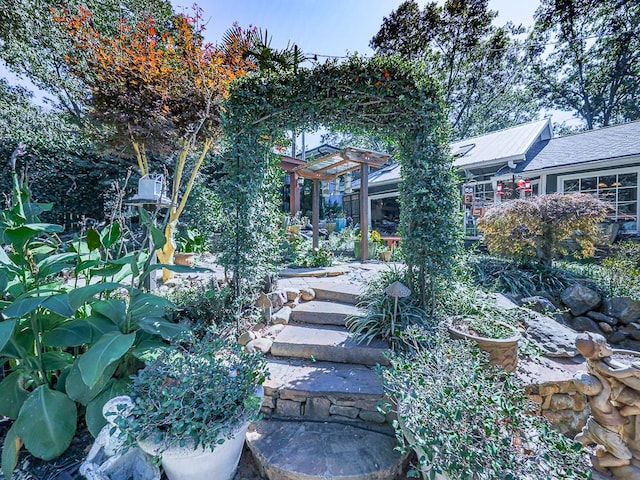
point(315, 215)
point(364, 210)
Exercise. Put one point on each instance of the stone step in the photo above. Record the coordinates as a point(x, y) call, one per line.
point(349, 294)
point(319, 451)
point(323, 313)
point(323, 390)
point(332, 344)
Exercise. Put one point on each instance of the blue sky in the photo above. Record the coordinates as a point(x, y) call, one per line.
point(325, 27)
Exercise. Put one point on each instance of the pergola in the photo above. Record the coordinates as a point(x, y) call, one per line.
point(328, 168)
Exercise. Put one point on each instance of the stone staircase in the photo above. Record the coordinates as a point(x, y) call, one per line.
point(320, 416)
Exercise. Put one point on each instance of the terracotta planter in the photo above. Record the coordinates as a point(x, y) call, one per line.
point(184, 259)
point(502, 351)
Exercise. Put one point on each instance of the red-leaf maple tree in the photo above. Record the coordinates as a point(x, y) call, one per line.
point(160, 88)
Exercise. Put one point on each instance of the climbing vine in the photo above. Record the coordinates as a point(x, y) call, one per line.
point(387, 97)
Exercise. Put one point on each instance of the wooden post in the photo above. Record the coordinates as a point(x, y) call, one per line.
point(364, 209)
point(294, 193)
point(315, 214)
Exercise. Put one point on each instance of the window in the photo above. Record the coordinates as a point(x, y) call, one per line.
point(618, 189)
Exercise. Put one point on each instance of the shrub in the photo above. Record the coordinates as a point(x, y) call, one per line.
point(537, 228)
point(512, 277)
point(468, 420)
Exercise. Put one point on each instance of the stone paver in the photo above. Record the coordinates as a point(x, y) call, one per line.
point(323, 312)
point(311, 450)
point(333, 344)
point(322, 378)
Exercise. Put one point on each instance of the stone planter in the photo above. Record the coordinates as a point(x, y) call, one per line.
point(357, 250)
point(502, 351)
point(187, 259)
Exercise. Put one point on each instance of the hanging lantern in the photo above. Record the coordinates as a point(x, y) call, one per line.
point(347, 183)
point(499, 190)
point(527, 186)
point(325, 189)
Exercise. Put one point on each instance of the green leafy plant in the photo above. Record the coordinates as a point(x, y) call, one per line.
point(467, 420)
point(67, 343)
point(384, 317)
point(508, 276)
point(191, 241)
point(193, 393)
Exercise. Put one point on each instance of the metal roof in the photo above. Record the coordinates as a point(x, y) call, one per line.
point(509, 144)
point(593, 145)
point(340, 162)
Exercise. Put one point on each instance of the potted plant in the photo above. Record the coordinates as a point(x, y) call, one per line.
point(467, 420)
point(384, 253)
point(341, 221)
point(474, 315)
point(188, 245)
point(296, 222)
point(192, 406)
point(374, 240)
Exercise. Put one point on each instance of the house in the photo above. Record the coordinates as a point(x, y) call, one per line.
point(527, 160)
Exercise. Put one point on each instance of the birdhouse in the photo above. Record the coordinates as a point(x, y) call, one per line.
point(151, 188)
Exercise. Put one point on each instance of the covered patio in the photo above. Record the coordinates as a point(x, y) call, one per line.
point(329, 167)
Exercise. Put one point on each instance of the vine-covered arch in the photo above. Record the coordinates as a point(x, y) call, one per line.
point(386, 97)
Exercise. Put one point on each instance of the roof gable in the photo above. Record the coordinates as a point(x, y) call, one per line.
point(509, 144)
point(603, 144)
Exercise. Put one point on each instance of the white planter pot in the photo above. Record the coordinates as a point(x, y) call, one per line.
point(202, 463)
point(187, 463)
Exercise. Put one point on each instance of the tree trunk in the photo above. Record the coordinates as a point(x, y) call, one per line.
point(165, 254)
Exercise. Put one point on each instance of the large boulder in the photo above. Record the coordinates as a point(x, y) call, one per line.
point(580, 299)
point(553, 338)
point(624, 309)
point(539, 304)
point(586, 324)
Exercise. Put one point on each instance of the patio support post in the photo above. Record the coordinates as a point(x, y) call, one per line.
point(364, 209)
point(294, 193)
point(315, 212)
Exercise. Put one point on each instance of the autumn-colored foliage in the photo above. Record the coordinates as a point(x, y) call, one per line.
point(537, 228)
point(159, 88)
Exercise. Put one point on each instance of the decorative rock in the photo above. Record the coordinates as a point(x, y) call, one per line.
point(317, 407)
point(291, 293)
point(538, 304)
point(625, 309)
point(555, 339)
point(606, 328)
point(617, 337)
point(246, 337)
point(372, 417)
point(349, 412)
point(259, 344)
point(258, 327)
point(307, 294)
point(561, 402)
point(585, 324)
point(631, 344)
point(281, 316)
point(278, 298)
point(273, 331)
point(580, 299)
point(107, 461)
point(288, 408)
point(601, 317)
